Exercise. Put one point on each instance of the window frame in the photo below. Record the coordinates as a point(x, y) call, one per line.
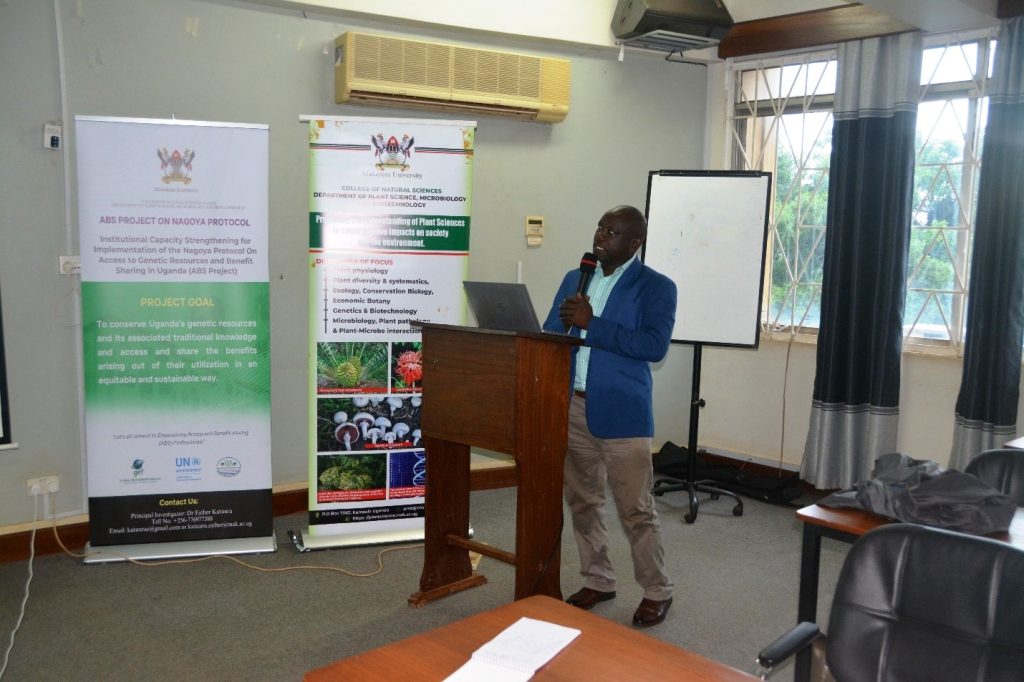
point(738, 115)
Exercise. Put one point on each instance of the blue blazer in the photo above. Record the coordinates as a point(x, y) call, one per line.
point(633, 331)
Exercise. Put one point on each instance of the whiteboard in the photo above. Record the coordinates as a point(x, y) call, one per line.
point(708, 232)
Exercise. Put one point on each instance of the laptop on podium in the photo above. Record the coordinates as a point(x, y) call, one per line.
point(502, 305)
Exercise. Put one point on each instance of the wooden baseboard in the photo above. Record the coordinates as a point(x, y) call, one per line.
point(15, 547)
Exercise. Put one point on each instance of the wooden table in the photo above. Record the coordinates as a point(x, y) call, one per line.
point(847, 525)
point(604, 651)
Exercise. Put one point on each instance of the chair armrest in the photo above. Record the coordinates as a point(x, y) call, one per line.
point(788, 644)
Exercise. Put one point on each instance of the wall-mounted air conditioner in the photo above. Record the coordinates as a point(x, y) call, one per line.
point(670, 25)
point(410, 73)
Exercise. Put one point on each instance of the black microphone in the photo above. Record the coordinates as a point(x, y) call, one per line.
point(588, 264)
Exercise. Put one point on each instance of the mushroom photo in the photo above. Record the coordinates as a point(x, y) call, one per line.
point(360, 423)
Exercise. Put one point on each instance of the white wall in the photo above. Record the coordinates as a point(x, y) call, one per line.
point(246, 62)
point(746, 415)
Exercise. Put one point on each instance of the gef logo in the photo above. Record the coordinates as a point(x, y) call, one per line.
point(182, 462)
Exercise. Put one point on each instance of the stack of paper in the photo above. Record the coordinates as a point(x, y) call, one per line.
point(516, 653)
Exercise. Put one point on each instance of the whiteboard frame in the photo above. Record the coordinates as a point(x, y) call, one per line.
point(736, 269)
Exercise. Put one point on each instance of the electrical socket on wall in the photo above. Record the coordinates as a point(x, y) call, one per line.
point(43, 485)
point(69, 265)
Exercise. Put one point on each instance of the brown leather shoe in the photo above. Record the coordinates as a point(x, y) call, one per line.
point(651, 612)
point(587, 598)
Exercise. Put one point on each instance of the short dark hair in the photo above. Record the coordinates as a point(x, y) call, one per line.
point(632, 217)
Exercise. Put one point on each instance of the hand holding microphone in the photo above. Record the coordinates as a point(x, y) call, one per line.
point(575, 311)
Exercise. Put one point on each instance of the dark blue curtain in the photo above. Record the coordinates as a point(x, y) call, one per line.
point(986, 408)
point(855, 407)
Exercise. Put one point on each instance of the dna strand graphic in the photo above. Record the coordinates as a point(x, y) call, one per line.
point(419, 468)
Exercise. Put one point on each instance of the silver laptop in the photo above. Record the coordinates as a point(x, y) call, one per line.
point(502, 305)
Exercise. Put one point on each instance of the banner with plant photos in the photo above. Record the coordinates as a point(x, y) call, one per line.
point(173, 228)
point(389, 219)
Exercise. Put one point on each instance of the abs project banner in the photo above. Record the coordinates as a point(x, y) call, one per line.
point(389, 219)
point(175, 324)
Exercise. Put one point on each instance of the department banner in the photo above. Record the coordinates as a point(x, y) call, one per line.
point(175, 325)
point(389, 220)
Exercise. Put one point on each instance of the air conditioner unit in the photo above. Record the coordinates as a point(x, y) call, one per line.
point(410, 73)
point(670, 25)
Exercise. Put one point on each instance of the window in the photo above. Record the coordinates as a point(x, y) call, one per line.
point(950, 118)
point(781, 121)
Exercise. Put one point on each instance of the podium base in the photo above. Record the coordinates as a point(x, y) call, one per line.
point(424, 596)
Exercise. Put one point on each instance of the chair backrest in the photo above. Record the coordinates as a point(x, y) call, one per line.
point(919, 604)
point(1003, 469)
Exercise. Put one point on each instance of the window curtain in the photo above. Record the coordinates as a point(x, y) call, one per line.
point(986, 408)
point(855, 406)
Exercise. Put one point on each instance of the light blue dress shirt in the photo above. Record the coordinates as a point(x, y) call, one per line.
point(600, 288)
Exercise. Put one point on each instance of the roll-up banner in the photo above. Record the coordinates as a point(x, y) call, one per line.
point(176, 338)
point(389, 219)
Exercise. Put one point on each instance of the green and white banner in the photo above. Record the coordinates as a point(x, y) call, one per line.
point(389, 220)
point(175, 322)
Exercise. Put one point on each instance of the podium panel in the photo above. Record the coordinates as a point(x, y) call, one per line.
point(471, 384)
point(507, 392)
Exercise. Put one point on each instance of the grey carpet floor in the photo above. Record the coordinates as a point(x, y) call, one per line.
point(736, 590)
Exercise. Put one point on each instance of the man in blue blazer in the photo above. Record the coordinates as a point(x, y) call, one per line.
point(625, 320)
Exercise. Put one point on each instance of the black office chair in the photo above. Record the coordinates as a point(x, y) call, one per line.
point(920, 604)
point(1003, 469)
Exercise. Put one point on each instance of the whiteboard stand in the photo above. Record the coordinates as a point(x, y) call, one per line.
point(691, 484)
point(707, 231)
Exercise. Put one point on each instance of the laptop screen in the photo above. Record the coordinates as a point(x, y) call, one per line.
point(502, 305)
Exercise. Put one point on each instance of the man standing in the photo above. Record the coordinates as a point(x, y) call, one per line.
point(626, 321)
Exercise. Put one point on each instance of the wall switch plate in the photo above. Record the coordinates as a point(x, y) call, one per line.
point(53, 135)
point(534, 230)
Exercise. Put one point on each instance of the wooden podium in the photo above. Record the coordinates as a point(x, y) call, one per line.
point(507, 392)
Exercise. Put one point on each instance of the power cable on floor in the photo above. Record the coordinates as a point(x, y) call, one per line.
point(28, 583)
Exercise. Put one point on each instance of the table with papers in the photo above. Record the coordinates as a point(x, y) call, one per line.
point(603, 650)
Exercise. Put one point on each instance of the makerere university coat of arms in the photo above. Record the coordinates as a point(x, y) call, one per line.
point(176, 165)
point(391, 154)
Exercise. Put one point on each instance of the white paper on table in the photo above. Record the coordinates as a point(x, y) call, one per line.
point(516, 652)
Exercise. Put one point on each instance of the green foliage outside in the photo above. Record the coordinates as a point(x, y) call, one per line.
point(798, 246)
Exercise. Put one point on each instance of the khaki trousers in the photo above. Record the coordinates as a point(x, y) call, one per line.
point(624, 466)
